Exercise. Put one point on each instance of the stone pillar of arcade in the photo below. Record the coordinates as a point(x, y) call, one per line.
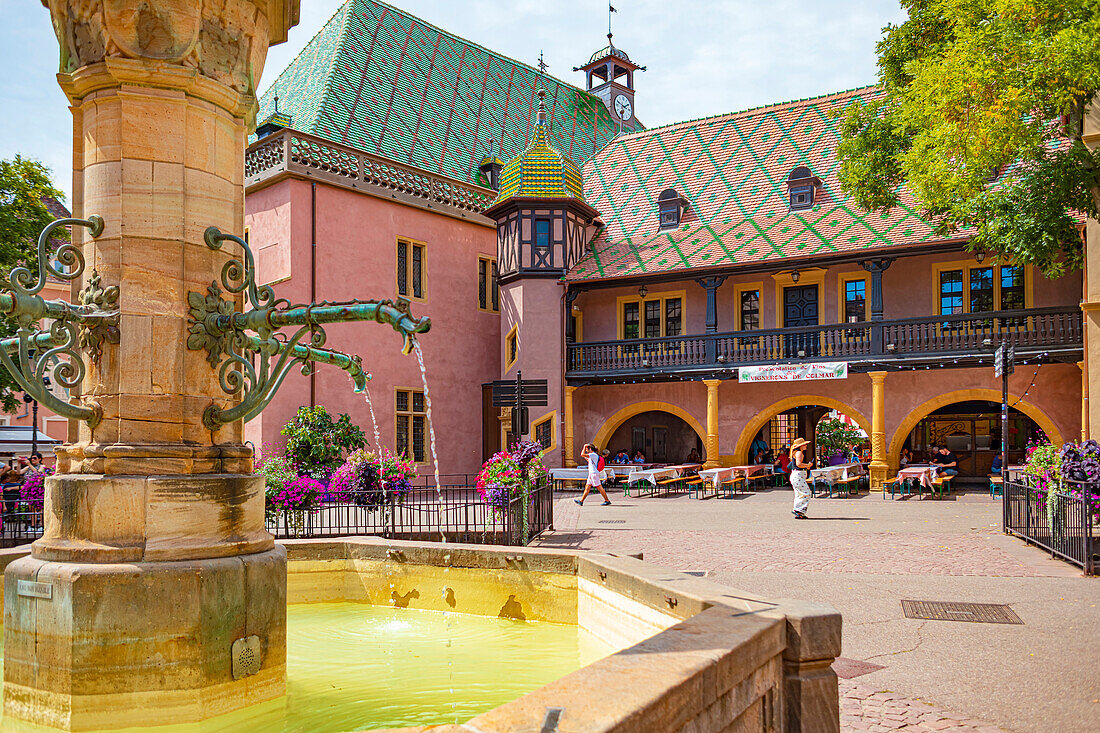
point(879, 460)
point(155, 594)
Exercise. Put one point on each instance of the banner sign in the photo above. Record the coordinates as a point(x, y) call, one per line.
point(793, 372)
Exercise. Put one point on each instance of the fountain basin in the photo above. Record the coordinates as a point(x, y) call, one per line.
point(687, 654)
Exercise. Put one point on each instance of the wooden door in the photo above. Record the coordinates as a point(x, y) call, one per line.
point(637, 441)
point(490, 424)
point(660, 444)
point(800, 309)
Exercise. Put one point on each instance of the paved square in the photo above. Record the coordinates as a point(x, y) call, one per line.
point(864, 556)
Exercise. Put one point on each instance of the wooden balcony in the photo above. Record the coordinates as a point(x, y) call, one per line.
point(1052, 333)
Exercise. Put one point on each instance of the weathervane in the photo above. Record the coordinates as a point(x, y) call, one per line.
point(543, 66)
point(610, 9)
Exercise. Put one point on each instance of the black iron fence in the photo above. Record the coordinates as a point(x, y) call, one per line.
point(451, 513)
point(1063, 522)
point(22, 523)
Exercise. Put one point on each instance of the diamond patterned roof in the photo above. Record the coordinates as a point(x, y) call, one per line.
point(381, 80)
point(732, 170)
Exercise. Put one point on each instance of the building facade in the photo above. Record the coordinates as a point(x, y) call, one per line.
point(643, 273)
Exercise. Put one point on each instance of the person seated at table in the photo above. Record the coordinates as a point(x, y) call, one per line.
point(621, 458)
point(995, 469)
point(760, 458)
point(946, 462)
point(639, 457)
point(783, 461)
point(757, 445)
point(694, 457)
point(905, 458)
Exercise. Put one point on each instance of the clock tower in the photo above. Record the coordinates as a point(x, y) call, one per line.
point(609, 75)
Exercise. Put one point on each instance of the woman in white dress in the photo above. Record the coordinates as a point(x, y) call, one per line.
point(800, 472)
point(592, 457)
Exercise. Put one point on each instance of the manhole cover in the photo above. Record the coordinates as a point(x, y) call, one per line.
point(611, 521)
point(982, 613)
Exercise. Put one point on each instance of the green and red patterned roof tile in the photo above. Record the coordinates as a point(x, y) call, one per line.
point(732, 170)
point(381, 80)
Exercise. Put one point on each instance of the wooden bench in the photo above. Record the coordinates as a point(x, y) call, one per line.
point(942, 484)
point(732, 482)
point(996, 484)
point(851, 484)
point(696, 487)
point(669, 485)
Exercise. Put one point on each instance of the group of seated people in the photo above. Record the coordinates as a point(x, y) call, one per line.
point(622, 458)
point(939, 456)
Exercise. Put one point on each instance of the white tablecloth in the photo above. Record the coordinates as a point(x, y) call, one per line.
point(718, 475)
point(924, 474)
point(652, 475)
point(579, 474)
point(832, 474)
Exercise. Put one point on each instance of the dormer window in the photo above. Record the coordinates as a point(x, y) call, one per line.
point(801, 188)
point(670, 205)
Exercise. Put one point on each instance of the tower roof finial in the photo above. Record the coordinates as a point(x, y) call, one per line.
point(543, 66)
point(541, 93)
point(610, 9)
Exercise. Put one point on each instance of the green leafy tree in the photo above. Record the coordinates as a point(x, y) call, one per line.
point(316, 443)
point(834, 435)
point(25, 185)
point(981, 115)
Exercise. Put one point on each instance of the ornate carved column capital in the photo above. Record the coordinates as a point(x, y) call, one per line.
point(225, 41)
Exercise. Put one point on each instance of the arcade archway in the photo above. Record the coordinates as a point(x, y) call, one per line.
point(790, 405)
point(651, 414)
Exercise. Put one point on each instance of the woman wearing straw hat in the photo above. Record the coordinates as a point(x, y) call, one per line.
point(800, 471)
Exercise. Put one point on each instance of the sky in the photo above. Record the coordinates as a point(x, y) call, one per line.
point(703, 58)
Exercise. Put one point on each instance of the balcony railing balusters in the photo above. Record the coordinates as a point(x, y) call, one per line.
point(964, 334)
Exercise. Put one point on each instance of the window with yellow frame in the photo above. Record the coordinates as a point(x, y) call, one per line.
point(543, 432)
point(747, 313)
point(488, 288)
point(511, 347)
point(410, 268)
point(652, 316)
point(973, 287)
point(854, 293)
point(410, 424)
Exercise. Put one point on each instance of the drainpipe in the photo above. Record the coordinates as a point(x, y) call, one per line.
point(562, 307)
point(313, 277)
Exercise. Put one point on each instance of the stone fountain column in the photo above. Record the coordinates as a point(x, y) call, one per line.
point(155, 595)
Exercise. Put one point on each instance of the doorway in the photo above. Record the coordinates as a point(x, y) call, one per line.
point(800, 310)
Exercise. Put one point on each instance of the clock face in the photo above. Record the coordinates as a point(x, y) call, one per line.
point(623, 108)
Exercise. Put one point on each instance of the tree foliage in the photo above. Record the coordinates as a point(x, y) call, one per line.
point(981, 115)
point(24, 184)
point(834, 435)
point(316, 443)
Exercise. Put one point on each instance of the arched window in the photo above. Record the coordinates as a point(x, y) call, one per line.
point(670, 205)
point(801, 188)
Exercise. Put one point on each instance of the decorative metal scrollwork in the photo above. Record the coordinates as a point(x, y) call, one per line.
point(34, 356)
point(249, 349)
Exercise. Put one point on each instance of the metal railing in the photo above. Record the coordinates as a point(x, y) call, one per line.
point(1035, 329)
point(456, 513)
point(22, 523)
point(1062, 522)
point(298, 152)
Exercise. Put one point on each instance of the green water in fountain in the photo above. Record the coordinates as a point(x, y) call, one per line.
point(354, 666)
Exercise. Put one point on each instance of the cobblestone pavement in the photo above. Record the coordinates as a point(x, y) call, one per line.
point(867, 708)
point(792, 551)
point(863, 556)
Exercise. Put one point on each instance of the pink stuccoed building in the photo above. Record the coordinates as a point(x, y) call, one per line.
point(653, 277)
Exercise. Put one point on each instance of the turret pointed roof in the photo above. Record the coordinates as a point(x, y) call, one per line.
point(540, 171)
point(379, 79)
